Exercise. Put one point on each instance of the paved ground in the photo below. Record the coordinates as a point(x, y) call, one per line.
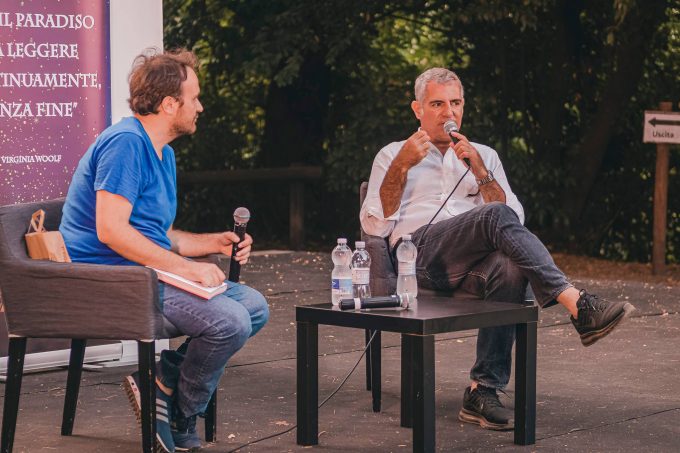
point(622, 394)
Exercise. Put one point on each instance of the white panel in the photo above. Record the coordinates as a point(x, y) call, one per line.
point(60, 358)
point(135, 26)
point(661, 127)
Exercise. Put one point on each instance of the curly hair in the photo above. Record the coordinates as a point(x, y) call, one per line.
point(157, 75)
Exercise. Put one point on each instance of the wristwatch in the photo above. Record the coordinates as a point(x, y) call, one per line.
point(487, 179)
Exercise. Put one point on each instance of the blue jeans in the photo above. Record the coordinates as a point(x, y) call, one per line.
point(487, 253)
point(218, 328)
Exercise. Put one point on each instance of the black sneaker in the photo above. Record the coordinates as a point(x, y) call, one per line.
point(164, 440)
point(482, 407)
point(598, 317)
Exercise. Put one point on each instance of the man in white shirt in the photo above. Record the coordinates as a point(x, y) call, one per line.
point(477, 243)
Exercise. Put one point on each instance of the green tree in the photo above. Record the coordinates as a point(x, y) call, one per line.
point(558, 87)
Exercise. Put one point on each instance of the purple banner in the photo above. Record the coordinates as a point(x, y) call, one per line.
point(54, 92)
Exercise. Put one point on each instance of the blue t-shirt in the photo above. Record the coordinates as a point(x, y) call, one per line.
point(121, 161)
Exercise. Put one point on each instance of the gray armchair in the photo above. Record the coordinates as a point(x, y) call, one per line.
point(44, 299)
point(383, 280)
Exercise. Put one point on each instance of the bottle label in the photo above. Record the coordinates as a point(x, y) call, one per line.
point(346, 286)
point(360, 276)
point(406, 268)
point(342, 286)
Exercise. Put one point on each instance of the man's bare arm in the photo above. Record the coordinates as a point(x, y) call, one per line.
point(492, 192)
point(114, 229)
point(392, 188)
point(191, 244)
point(464, 150)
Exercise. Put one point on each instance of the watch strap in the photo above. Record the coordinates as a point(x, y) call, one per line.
point(487, 179)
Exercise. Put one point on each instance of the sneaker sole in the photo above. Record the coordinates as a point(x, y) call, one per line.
point(471, 417)
point(590, 338)
point(134, 396)
point(192, 449)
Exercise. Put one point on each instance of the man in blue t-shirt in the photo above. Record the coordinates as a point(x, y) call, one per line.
point(119, 210)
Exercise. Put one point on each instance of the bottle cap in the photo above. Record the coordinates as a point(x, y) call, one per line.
point(360, 244)
point(406, 237)
point(342, 240)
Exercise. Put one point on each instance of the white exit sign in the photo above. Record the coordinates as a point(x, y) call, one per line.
point(661, 127)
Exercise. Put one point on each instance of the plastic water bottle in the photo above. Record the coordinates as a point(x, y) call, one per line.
point(361, 271)
point(406, 255)
point(341, 277)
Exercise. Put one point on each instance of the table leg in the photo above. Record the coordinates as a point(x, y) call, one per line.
point(423, 394)
point(307, 383)
point(407, 381)
point(525, 384)
point(376, 361)
point(369, 374)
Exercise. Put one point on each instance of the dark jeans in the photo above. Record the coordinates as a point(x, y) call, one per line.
point(218, 328)
point(487, 253)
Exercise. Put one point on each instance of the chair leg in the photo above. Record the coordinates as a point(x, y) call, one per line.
point(75, 369)
point(15, 371)
point(147, 386)
point(211, 419)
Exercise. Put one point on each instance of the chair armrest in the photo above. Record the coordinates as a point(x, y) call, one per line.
point(383, 279)
point(78, 300)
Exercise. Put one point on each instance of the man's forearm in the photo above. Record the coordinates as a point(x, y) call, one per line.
point(134, 246)
point(191, 244)
point(492, 192)
point(392, 188)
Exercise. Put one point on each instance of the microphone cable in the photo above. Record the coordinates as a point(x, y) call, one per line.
point(363, 353)
point(422, 236)
point(368, 344)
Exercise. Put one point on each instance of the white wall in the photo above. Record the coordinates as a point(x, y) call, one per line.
point(135, 26)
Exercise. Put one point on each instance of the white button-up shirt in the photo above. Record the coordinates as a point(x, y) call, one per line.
point(427, 186)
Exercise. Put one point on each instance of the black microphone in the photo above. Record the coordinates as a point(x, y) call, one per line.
point(241, 217)
point(375, 302)
point(450, 127)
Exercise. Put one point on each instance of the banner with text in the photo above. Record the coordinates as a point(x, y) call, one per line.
point(54, 92)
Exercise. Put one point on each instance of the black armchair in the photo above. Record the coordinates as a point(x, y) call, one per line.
point(44, 299)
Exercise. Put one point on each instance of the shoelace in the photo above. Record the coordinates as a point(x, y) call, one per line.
point(489, 396)
point(592, 302)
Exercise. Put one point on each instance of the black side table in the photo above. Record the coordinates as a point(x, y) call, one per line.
point(418, 325)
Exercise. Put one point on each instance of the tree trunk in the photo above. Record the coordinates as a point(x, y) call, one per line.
point(565, 55)
point(585, 160)
point(295, 116)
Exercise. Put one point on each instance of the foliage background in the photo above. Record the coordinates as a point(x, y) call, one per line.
point(557, 87)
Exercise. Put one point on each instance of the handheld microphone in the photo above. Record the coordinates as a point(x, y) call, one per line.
point(375, 302)
point(450, 127)
point(241, 217)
